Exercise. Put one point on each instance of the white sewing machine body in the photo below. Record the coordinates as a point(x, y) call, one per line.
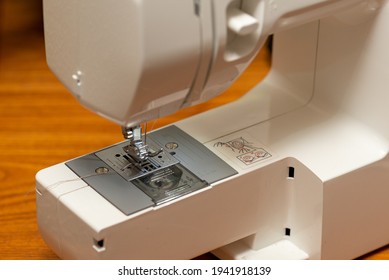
point(303, 155)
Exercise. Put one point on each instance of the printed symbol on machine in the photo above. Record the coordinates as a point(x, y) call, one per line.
point(254, 156)
point(247, 152)
point(239, 145)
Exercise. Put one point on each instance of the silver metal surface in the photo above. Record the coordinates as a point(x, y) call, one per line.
point(184, 166)
point(120, 161)
point(169, 183)
point(122, 194)
point(192, 154)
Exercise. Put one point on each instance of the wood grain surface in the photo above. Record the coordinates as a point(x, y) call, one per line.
point(41, 124)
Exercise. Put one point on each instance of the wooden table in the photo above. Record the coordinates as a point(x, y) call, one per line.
point(41, 124)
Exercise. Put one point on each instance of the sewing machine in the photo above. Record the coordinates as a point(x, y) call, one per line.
point(297, 168)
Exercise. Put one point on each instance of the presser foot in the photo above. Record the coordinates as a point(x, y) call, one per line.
point(137, 149)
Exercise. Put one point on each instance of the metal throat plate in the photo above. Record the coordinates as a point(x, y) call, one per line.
point(120, 161)
point(184, 166)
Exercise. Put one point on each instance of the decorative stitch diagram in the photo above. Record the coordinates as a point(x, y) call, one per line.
point(244, 150)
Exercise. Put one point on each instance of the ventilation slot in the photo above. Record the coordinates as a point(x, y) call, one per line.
point(291, 172)
point(99, 245)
